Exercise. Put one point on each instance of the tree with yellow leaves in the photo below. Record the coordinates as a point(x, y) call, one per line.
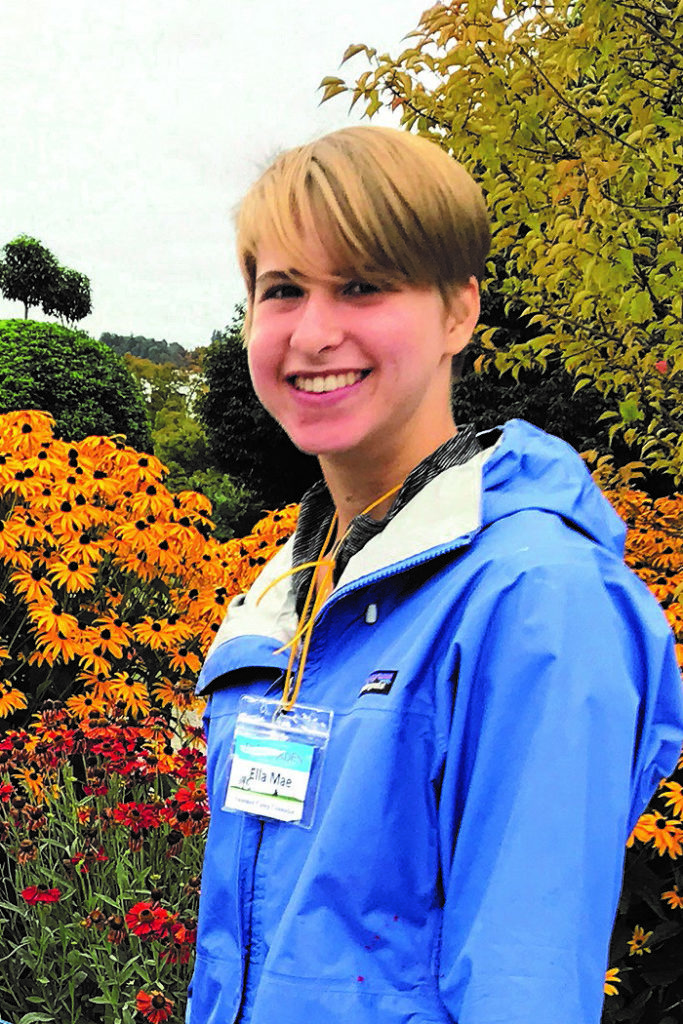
point(570, 114)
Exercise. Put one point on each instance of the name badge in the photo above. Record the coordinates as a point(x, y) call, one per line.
point(276, 760)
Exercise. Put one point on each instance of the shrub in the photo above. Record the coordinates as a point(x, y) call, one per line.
point(78, 380)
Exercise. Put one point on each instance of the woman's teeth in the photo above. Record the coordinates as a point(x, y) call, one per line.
point(330, 382)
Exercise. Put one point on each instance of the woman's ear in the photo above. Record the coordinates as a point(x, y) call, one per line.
point(462, 312)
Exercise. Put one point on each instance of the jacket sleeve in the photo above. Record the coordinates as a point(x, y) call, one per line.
point(567, 715)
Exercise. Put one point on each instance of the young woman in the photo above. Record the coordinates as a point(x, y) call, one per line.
point(436, 716)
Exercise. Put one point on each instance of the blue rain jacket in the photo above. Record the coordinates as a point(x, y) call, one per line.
point(466, 856)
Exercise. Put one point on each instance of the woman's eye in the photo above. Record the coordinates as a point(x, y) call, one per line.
point(281, 291)
point(360, 288)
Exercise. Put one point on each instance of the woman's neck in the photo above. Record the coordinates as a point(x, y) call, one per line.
point(354, 488)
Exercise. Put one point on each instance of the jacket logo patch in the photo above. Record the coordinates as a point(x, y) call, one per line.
point(378, 682)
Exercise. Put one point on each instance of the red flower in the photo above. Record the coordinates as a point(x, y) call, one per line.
point(6, 791)
point(662, 366)
point(137, 816)
point(147, 921)
point(154, 1006)
point(184, 936)
point(40, 894)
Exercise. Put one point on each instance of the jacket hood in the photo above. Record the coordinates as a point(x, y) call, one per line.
point(520, 468)
point(529, 469)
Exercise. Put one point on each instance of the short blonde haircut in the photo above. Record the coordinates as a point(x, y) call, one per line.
point(385, 204)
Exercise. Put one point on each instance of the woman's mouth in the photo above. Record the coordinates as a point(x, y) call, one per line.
point(320, 384)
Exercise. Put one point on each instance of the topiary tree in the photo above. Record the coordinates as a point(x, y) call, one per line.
point(80, 381)
point(68, 297)
point(29, 273)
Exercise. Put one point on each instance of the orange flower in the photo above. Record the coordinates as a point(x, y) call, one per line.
point(32, 584)
point(673, 898)
point(50, 616)
point(154, 1006)
point(675, 795)
point(665, 833)
point(132, 691)
point(178, 695)
point(10, 700)
point(637, 942)
point(612, 979)
point(95, 662)
point(55, 644)
point(81, 705)
point(72, 575)
point(150, 631)
point(184, 659)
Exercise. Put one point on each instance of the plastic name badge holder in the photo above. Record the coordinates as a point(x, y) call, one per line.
point(276, 760)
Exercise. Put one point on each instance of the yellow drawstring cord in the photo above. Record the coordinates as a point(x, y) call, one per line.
point(318, 592)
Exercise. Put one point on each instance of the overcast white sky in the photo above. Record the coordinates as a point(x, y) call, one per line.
point(130, 129)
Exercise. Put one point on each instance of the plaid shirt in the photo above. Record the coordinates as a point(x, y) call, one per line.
point(317, 510)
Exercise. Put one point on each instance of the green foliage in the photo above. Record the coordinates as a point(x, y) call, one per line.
point(29, 272)
point(180, 439)
point(83, 957)
point(146, 348)
point(84, 385)
point(571, 116)
point(244, 441)
point(234, 507)
point(165, 385)
point(69, 297)
point(543, 395)
point(180, 443)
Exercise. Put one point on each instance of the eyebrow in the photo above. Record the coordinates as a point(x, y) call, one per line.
point(279, 275)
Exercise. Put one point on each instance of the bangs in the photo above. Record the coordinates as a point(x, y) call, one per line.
point(382, 203)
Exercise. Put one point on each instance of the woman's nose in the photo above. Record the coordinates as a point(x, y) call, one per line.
point(318, 326)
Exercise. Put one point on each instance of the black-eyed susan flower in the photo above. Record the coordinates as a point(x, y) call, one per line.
point(72, 575)
point(674, 792)
point(132, 691)
point(184, 660)
point(32, 780)
point(10, 537)
point(50, 616)
point(80, 705)
point(32, 583)
point(10, 700)
point(638, 943)
point(56, 645)
point(150, 631)
point(665, 833)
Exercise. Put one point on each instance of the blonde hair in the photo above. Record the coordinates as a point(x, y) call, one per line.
point(385, 204)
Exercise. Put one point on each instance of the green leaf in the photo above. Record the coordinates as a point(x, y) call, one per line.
point(629, 411)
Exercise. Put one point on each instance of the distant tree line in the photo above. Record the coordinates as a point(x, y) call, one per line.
point(31, 274)
point(147, 348)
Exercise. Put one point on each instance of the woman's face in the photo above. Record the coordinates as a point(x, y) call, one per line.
point(352, 371)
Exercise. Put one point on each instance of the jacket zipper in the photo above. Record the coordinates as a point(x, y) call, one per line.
point(247, 899)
